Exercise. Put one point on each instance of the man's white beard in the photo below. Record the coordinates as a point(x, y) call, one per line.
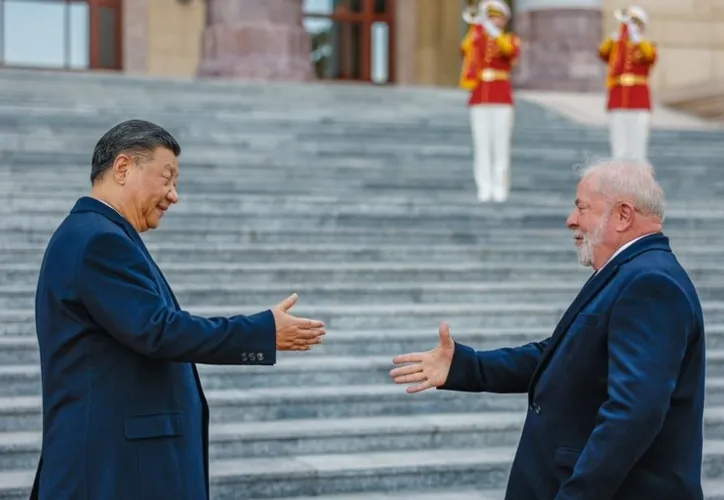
point(589, 242)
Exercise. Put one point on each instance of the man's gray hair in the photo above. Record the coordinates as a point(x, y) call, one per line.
point(627, 180)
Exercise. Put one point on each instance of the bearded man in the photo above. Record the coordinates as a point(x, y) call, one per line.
point(616, 393)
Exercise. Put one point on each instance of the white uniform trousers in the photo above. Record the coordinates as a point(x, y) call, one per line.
point(492, 127)
point(629, 133)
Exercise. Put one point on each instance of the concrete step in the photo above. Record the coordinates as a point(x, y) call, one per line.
point(465, 431)
point(337, 253)
point(178, 232)
point(22, 413)
point(316, 370)
point(285, 273)
point(552, 174)
point(339, 318)
point(19, 297)
point(534, 205)
point(328, 474)
point(248, 146)
point(520, 291)
point(19, 350)
point(23, 349)
point(20, 450)
point(421, 217)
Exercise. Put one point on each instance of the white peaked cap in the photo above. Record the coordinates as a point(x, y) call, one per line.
point(495, 4)
point(637, 12)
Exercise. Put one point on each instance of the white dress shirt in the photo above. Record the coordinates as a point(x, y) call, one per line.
point(621, 249)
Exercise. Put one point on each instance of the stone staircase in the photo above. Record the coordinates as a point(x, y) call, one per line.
point(360, 199)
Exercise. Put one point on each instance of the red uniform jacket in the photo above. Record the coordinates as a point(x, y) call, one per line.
point(486, 67)
point(628, 71)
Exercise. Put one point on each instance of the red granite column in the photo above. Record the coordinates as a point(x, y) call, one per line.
point(560, 50)
point(255, 39)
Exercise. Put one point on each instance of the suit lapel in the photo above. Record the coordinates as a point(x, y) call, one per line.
point(89, 204)
point(589, 291)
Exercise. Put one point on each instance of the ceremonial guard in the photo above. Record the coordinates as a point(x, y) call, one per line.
point(489, 53)
point(630, 57)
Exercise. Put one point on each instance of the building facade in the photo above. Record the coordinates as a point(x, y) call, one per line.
point(377, 41)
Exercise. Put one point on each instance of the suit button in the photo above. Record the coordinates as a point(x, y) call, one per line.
point(534, 407)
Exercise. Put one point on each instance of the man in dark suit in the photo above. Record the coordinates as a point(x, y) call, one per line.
point(616, 393)
point(124, 413)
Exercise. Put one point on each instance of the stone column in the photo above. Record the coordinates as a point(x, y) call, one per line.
point(560, 45)
point(255, 39)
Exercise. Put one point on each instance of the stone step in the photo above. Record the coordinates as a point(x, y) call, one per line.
point(466, 431)
point(291, 273)
point(232, 205)
point(384, 316)
point(525, 143)
point(23, 349)
point(474, 222)
point(463, 190)
point(366, 201)
point(20, 450)
point(277, 182)
point(240, 234)
point(22, 413)
point(344, 166)
point(339, 318)
point(362, 236)
point(201, 251)
point(363, 213)
point(328, 474)
point(313, 370)
point(366, 293)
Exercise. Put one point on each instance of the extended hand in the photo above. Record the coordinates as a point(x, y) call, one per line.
point(431, 368)
point(295, 334)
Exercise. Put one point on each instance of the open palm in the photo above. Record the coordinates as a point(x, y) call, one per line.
point(429, 369)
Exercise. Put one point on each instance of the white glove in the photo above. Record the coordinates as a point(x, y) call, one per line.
point(633, 32)
point(490, 28)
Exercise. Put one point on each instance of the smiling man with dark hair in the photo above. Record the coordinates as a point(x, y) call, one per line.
point(124, 413)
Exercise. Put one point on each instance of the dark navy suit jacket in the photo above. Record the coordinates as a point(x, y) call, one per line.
point(124, 413)
point(616, 394)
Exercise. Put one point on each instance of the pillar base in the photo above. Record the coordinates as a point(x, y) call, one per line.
point(256, 40)
point(560, 50)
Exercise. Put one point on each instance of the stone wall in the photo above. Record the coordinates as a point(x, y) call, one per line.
point(162, 37)
point(174, 36)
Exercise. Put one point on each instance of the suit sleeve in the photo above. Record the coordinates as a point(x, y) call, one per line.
point(649, 330)
point(118, 290)
point(503, 371)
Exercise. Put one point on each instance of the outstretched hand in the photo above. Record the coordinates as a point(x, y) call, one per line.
point(430, 369)
point(292, 333)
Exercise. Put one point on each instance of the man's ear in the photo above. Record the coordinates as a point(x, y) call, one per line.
point(625, 215)
point(121, 167)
